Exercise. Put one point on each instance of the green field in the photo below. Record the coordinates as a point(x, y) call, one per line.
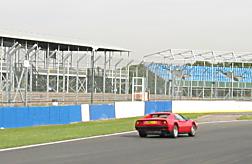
point(245, 117)
point(42, 134)
point(193, 115)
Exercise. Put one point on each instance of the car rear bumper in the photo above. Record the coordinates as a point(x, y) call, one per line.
point(152, 129)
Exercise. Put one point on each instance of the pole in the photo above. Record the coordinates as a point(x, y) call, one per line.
point(104, 73)
point(26, 85)
point(92, 74)
point(1, 71)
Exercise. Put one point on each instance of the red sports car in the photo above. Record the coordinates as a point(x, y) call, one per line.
point(165, 123)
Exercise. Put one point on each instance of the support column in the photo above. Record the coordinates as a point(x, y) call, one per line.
point(104, 75)
point(64, 76)
point(92, 75)
point(36, 68)
point(120, 82)
point(26, 74)
point(147, 78)
point(68, 72)
point(232, 82)
point(115, 83)
point(47, 76)
point(77, 79)
point(212, 84)
point(155, 89)
point(1, 70)
point(165, 85)
point(115, 87)
point(204, 83)
point(127, 79)
point(104, 72)
point(58, 69)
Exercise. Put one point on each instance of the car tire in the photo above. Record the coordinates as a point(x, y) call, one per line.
point(142, 134)
point(193, 131)
point(174, 132)
point(162, 135)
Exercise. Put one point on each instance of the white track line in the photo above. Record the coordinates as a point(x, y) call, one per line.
point(106, 135)
point(213, 122)
point(71, 140)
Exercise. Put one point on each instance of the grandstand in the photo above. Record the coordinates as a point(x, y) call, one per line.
point(201, 75)
point(41, 70)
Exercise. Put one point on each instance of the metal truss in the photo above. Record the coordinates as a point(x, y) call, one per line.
point(175, 55)
point(179, 85)
point(35, 70)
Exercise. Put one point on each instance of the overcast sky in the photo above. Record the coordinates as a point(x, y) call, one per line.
point(143, 26)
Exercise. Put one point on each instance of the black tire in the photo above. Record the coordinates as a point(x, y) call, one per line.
point(193, 131)
point(162, 135)
point(174, 132)
point(142, 134)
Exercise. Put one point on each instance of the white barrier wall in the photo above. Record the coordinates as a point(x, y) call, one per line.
point(129, 109)
point(85, 112)
point(211, 106)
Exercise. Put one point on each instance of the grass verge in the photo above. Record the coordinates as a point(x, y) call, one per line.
point(245, 117)
point(43, 134)
point(194, 115)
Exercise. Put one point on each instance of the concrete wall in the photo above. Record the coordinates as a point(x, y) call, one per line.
point(129, 109)
point(211, 106)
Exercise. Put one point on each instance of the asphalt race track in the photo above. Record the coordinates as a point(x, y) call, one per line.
point(215, 143)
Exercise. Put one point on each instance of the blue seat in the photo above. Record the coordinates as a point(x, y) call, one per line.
point(201, 73)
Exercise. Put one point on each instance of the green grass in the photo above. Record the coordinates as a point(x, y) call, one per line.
point(193, 115)
point(42, 134)
point(245, 117)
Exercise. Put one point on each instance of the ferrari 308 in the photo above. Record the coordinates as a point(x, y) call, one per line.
point(165, 123)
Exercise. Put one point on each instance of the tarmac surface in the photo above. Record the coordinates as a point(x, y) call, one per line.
point(215, 143)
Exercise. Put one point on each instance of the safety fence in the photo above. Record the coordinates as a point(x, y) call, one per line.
point(14, 117)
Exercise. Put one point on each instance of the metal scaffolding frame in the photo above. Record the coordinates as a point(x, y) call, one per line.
point(175, 55)
point(35, 70)
point(179, 85)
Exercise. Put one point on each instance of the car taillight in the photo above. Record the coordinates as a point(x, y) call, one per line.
point(164, 122)
point(138, 122)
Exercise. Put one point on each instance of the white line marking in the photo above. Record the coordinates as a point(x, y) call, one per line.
point(213, 122)
point(71, 140)
point(106, 135)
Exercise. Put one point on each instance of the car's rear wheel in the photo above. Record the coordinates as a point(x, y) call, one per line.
point(142, 134)
point(162, 135)
point(174, 133)
point(193, 131)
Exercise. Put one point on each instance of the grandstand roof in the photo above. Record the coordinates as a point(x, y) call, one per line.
point(172, 55)
point(54, 42)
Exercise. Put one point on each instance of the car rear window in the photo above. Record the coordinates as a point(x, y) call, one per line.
point(159, 115)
